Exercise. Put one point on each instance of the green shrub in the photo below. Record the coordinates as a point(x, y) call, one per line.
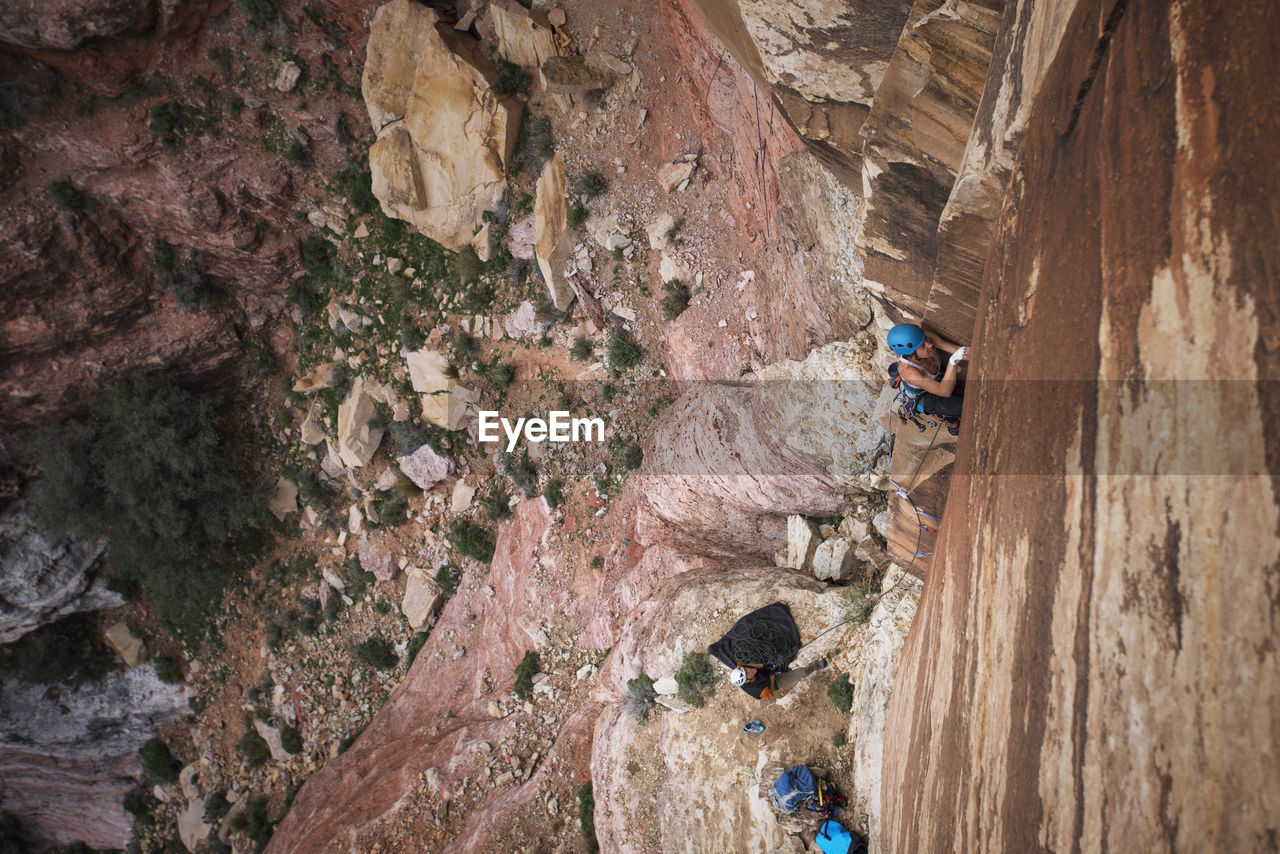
point(841, 693)
point(496, 503)
point(67, 197)
point(148, 466)
point(168, 669)
point(839, 740)
point(70, 650)
point(641, 696)
point(474, 541)
point(186, 280)
point(499, 375)
point(261, 13)
point(318, 256)
point(522, 471)
point(216, 806)
point(416, 643)
point(158, 764)
point(536, 143)
point(254, 748)
point(696, 679)
point(512, 79)
point(623, 351)
point(588, 185)
point(554, 492)
point(254, 822)
point(632, 456)
point(587, 817)
point(168, 121)
point(141, 804)
point(447, 579)
point(676, 299)
point(578, 214)
point(581, 349)
point(358, 580)
point(377, 653)
point(291, 740)
point(525, 671)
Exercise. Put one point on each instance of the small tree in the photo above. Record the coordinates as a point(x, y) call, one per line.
point(148, 466)
point(254, 748)
point(696, 679)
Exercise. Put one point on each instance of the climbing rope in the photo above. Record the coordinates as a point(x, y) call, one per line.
point(760, 642)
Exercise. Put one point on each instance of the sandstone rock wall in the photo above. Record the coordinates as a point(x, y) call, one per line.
point(112, 716)
point(63, 801)
point(1094, 668)
point(42, 579)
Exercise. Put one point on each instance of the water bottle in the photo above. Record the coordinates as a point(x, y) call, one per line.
point(753, 725)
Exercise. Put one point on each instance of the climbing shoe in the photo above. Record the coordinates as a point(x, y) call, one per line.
point(953, 427)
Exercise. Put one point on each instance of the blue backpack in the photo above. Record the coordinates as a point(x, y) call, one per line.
point(834, 838)
point(795, 788)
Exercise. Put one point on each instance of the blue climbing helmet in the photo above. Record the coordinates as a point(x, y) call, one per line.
point(905, 338)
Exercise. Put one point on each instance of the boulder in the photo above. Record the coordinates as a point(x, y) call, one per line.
point(522, 237)
point(312, 431)
point(285, 498)
point(666, 686)
point(444, 402)
point(321, 376)
point(126, 643)
point(422, 599)
point(357, 440)
point(659, 230)
point(575, 75)
point(552, 247)
point(192, 828)
point(462, 495)
point(834, 560)
point(377, 555)
point(525, 36)
point(673, 175)
point(444, 136)
point(482, 243)
point(523, 322)
point(607, 233)
point(271, 736)
point(425, 467)
point(286, 79)
point(802, 542)
point(671, 270)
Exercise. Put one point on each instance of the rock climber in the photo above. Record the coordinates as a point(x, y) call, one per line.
point(927, 381)
point(759, 649)
point(763, 682)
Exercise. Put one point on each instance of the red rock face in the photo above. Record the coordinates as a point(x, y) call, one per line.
point(1093, 665)
point(40, 788)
